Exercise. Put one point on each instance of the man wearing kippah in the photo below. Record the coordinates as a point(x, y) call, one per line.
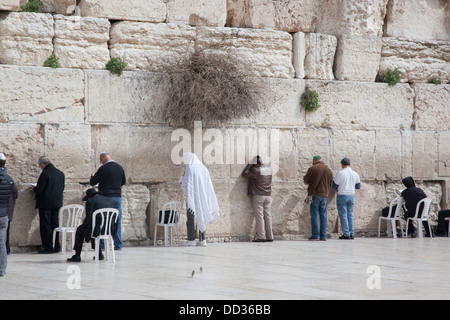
point(345, 183)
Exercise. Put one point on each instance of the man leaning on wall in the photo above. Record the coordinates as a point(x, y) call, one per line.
point(259, 177)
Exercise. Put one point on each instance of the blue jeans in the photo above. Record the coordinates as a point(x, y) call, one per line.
point(118, 239)
point(345, 204)
point(3, 254)
point(318, 209)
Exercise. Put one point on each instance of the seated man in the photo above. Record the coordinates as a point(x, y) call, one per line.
point(412, 195)
point(94, 201)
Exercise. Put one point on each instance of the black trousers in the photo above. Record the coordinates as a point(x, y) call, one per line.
point(412, 228)
point(48, 220)
point(8, 249)
point(442, 227)
point(80, 236)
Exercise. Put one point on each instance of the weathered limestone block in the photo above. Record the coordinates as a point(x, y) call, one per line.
point(24, 228)
point(352, 17)
point(135, 199)
point(143, 152)
point(359, 147)
point(150, 46)
point(25, 38)
point(10, 5)
point(319, 56)
point(361, 106)
point(369, 200)
point(114, 139)
point(66, 7)
point(313, 55)
point(197, 12)
point(291, 16)
point(418, 19)
point(313, 142)
point(133, 10)
point(151, 158)
point(420, 154)
point(276, 147)
point(388, 155)
point(81, 42)
point(280, 105)
point(69, 146)
point(132, 98)
point(267, 52)
point(357, 58)
point(41, 95)
point(329, 17)
point(22, 145)
point(298, 54)
point(417, 60)
point(432, 107)
point(444, 154)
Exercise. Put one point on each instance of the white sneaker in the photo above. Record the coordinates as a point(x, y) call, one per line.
point(201, 243)
point(189, 243)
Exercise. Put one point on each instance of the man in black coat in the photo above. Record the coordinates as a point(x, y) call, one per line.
point(412, 195)
point(110, 178)
point(49, 199)
point(94, 201)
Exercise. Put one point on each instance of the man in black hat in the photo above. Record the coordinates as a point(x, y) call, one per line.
point(94, 201)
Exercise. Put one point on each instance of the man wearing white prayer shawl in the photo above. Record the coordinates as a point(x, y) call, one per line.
point(201, 198)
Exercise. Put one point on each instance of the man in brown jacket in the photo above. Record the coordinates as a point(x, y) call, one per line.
point(319, 179)
point(259, 187)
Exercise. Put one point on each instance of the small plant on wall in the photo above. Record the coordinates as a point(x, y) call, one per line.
point(310, 100)
point(212, 86)
point(32, 6)
point(391, 77)
point(115, 65)
point(52, 62)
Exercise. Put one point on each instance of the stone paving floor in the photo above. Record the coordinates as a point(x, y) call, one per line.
point(364, 268)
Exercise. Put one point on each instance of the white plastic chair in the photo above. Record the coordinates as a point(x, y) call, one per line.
point(169, 220)
point(69, 219)
point(423, 217)
point(109, 216)
point(397, 216)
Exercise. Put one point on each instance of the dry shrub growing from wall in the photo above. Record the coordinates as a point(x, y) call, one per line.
point(213, 87)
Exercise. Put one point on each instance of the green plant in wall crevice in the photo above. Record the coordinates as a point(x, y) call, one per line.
point(115, 65)
point(32, 6)
point(310, 100)
point(391, 77)
point(52, 62)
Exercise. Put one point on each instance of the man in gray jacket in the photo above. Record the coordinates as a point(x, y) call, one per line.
point(6, 187)
point(259, 177)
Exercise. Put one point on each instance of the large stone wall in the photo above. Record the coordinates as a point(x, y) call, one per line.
point(338, 49)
